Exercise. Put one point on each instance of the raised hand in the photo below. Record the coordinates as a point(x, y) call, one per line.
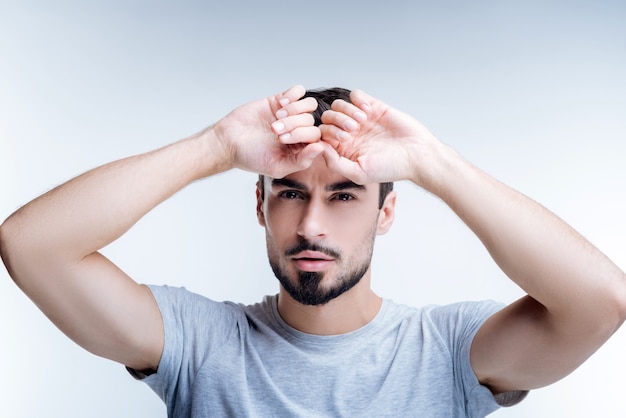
point(371, 142)
point(274, 136)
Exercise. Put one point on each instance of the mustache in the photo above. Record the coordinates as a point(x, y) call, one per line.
point(305, 245)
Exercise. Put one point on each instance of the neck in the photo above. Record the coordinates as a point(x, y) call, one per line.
point(348, 312)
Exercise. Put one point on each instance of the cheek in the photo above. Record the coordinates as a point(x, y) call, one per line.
point(280, 224)
point(270, 243)
point(355, 232)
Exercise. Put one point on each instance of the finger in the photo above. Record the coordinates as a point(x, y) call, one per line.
point(349, 109)
point(362, 100)
point(290, 95)
point(303, 135)
point(305, 157)
point(340, 120)
point(290, 123)
point(343, 166)
point(333, 134)
point(306, 105)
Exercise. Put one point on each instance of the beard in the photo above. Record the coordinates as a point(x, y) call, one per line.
point(307, 289)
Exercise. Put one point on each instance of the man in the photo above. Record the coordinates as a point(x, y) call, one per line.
point(326, 345)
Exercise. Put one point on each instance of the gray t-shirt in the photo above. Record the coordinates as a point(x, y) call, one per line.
point(222, 359)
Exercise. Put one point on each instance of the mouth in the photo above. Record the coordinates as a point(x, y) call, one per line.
point(312, 261)
point(312, 255)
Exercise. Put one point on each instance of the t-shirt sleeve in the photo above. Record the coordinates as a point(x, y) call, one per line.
point(195, 327)
point(459, 324)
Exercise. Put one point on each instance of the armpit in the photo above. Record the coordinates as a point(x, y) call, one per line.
point(140, 374)
point(510, 398)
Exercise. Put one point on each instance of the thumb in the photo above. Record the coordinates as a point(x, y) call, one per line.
point(342, 165)
point(305, 157)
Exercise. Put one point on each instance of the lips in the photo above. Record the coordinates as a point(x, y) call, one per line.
point(312, 255)
point(312, 261)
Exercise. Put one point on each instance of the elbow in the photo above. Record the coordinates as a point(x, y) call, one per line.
point(7, 238)
point(605, 308)
point(16, 255)
point(620, 300)
point(4, 246)
point(613, 307)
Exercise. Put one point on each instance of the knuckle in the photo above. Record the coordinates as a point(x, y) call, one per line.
point(309, 104)
point(327, 117)
point(338, 104)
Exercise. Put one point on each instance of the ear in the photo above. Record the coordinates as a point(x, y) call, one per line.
point(259, 206)
point(387, 213)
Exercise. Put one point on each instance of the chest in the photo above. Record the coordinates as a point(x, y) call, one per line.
point(391, 376)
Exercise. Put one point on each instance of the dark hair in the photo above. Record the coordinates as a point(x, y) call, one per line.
point(325, 98)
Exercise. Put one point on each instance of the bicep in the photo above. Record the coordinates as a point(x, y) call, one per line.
point(103, 310)
point(522, 347)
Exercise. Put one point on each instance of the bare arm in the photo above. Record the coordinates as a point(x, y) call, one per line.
point(576, 295)
point(50, 246)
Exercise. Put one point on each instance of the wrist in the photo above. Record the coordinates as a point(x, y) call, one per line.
point(214, 154)
point(450, 174)
point(433, 162)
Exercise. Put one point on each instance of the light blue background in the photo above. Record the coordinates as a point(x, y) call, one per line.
point(534, 92)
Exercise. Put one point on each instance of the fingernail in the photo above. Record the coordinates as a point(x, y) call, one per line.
point(360, 116)
point(282, 113)
point(365, 107)
point(341, 135)
point(283, 101)
point(350, 125)
point(284, 137)
point(278, 127)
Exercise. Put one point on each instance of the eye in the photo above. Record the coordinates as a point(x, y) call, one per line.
point(343, 197)
point(290, 195)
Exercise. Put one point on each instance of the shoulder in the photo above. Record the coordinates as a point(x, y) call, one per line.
point(469, 311)
point(181, 306)
point(451, 323)
point(444, 314)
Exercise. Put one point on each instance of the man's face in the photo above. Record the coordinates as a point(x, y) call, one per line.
point(320, 230)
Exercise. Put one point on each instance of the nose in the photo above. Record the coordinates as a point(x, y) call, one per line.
point(313, 221)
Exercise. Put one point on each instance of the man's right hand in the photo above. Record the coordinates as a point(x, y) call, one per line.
point(50, 246)
point(274, 136)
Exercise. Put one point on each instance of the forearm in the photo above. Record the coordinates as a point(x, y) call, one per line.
point(537, 250)
point(92, 210)
point(576, 296)
point(50, 246)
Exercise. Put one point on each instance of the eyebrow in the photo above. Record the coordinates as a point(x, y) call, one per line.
point(344, 185)
point(291, 184)
point(334, 187)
